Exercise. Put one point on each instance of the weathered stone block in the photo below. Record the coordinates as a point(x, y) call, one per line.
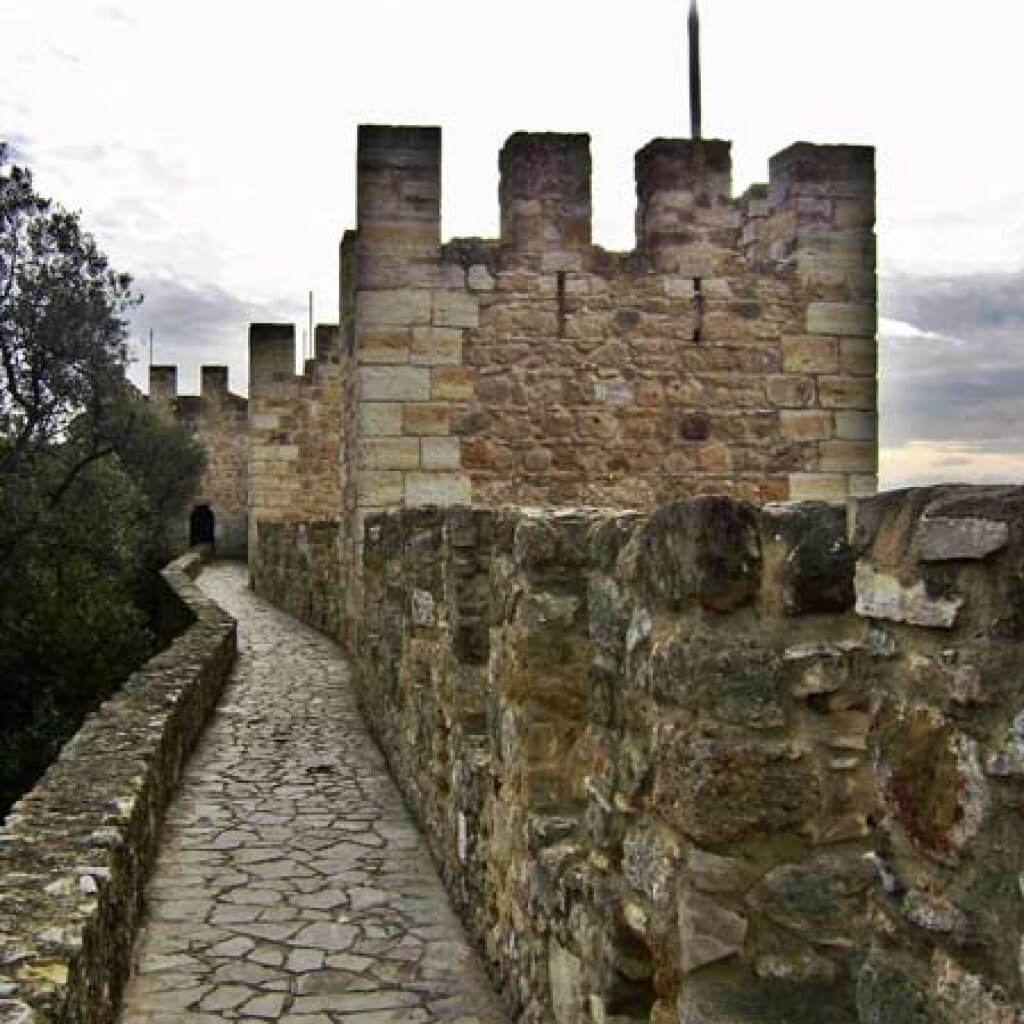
point(437, 489)
point(857, 426)
point(847, 393)
point(389, 453)
point(881, 595)
point(455, 309)
point(383, 346)
point(441, 452)
point(436, 346)
point(401, 306)
point(842, 318)
point(806, 425)
point(394, 384)
point(708, 931)
point(816, 571)
point(380, 488)
point(719, 790)
point(809, 354)
point(818, 487)
point(705, 550)
point(426, 419)
point(792, 392)
point(380, 419)
point(858, 356)
point(940, 539)
point(849, 457)
point(451, 383)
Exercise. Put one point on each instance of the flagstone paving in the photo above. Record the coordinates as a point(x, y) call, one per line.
point(292, 884)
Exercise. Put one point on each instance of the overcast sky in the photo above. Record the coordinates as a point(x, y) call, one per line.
point(211, 148)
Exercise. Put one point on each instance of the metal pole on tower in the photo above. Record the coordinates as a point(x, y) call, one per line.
point(312, 343)
point(693, 24)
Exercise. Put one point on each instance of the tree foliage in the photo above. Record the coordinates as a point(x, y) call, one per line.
point(89, 476)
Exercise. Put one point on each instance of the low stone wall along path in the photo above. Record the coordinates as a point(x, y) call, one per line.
point(292, 884)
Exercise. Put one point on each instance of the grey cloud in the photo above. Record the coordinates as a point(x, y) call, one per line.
point(963, 383)
point(18, 146)
point(200, 324)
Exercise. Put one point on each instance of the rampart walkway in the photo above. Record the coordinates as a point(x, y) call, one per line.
point(292, 885)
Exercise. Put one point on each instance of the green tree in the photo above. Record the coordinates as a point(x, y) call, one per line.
point(89, 475)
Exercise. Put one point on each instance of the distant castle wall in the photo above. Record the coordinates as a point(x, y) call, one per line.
point(220, 420)
point(296, 428)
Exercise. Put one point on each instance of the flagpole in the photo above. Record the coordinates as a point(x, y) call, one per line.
point(693, 25)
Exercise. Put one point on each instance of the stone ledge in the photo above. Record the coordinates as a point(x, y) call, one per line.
point(76, 850)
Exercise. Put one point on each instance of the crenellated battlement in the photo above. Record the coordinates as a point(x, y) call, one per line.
point(219, 419)
point(732, 351)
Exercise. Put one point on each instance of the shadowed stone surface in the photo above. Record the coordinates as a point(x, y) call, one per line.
point(292, 884)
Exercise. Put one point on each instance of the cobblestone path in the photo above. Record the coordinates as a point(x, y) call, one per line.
point(292, 884)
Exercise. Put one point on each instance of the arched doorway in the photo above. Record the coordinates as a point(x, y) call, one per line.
point(200, 525)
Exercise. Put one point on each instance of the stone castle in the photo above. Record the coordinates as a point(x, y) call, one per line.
point(690, 741)
point(731, 352)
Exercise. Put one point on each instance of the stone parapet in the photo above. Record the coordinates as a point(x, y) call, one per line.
point(302, 568)
point(716, 762)
point(76, 850)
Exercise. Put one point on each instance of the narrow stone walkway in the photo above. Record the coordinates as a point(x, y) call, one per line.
point(292, 884)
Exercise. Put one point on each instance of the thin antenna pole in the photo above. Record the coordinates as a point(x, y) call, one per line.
point(693, 24)
point(151, 347)
point(312, 344)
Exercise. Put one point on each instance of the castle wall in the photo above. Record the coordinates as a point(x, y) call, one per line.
point(732, 352)
point(296, 428)
point(219, 419)
point(716, 762)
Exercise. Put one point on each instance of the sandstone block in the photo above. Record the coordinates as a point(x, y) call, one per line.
point(441, 452)
point(265, 421)
point(804, 353)
point(380, 488)
point(451, 383)
point(436, 346)
point(863, 485)
point(856, 426)
point(376, 346)
point(380, 419)
point(389, 236)
point(401, 306)
point(843, 318)
point(455, 309)
point(790, 391)
point(394, 383)
point(847, 393)
point(806, 424)
point(275, 452)
point(818, 487)
point(389, 453)
point(849, 457)
point(437, 489)
point(426, 419)
point(858, 356)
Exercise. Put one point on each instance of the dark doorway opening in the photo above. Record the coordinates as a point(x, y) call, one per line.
point(200, 526)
